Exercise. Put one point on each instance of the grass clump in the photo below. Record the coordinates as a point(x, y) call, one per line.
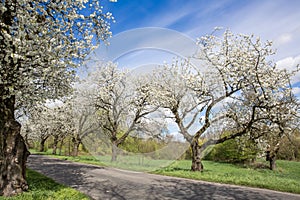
point(44, 188)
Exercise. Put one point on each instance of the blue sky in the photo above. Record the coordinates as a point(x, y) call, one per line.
point(276, 20)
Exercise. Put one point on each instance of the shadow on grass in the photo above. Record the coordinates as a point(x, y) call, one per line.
point(62, 171)
point(42, 187)
point(36, 181)
point(105, 183)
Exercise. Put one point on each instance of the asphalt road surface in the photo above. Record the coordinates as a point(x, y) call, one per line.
point(107, 183)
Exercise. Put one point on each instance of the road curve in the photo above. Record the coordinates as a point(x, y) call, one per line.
point(107, 183)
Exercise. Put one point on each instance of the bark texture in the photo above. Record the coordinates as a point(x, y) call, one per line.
point(196, 157)
point(271, 157)
point(55, 143)
point(272, 163)
point(42, 144)
point(114, 154)
point(76, 142)
point(13, 151)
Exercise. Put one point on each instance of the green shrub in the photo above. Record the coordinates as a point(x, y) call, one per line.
point(289, 148)
point(239, 150)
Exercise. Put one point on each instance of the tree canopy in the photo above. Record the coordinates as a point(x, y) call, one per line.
point(41, 44)
point(42, 41)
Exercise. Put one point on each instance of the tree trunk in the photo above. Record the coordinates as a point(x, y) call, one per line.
point(55, 142)
point(271, 156)
point(60, 147)
point(42, 144)
point(196, 157)
point(114, 154)
point(272, 161)
point(76, 142)
point(75, 149)
point(26, 140)
point(13, 150)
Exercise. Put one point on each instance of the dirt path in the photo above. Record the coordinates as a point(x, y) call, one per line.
point(106, 183)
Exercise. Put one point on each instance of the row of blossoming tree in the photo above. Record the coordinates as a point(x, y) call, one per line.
point(234, 87)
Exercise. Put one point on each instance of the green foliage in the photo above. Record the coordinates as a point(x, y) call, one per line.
point(286, 178)
point(237, 150)
point(44, 188)
point(138, 145)
point(187, 155)
point(290, 148)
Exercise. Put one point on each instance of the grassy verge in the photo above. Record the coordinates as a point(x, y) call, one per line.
point(286, 178)
point(44, 188)
point(134, 163)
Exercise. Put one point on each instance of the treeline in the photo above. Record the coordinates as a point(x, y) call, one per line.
point(238, 150)
point(251, 107)
point(245, 150)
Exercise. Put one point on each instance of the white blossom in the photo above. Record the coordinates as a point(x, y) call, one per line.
point(41, 47)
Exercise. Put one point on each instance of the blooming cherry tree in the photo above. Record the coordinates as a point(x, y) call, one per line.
point(240, 89)
point(62, 124)
point(180, 90)
point(83, 113)
point(41, 124)
point(121, 103)
point(41, 41)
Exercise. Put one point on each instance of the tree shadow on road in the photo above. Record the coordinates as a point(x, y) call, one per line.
point(103, 183)
point(181, 189)
point(62, 171)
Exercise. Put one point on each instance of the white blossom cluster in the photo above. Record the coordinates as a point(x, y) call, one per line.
point(259, 92)
point(42, 42)
point(47, 121)
point(121, 102)
point(241, 90)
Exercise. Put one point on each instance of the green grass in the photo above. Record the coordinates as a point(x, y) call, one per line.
point(286, 178)
point(129, 162)
point(134, 163)
point(44, 188)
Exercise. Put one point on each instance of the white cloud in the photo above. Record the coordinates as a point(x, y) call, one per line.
point(169, 18)
point(287, 43)
point(177, 136)
point(290, 63)
point(277, 21)
point(143, 47)
point(296, 91)
point(284, 38)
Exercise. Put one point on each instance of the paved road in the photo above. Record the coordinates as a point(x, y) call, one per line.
point(106, 183)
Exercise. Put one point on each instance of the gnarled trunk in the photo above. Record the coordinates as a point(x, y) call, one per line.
point(13, 151)
point(271, 156)
point(196, 157)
